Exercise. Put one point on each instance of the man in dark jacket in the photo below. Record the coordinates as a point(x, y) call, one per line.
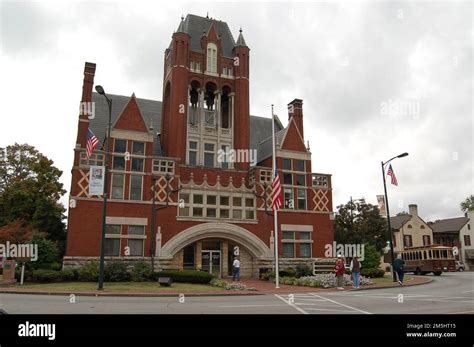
point(398, 266)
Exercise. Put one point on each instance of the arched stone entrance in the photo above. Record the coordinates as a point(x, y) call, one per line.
point(222, 238)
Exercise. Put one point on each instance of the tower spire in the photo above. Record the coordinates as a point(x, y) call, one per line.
point(240, 39)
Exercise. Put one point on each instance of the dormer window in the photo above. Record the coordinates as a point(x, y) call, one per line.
point(211, 58)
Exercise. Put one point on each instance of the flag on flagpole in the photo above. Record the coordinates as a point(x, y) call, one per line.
point(392, 175)
point(277, 200)
point(92, 141)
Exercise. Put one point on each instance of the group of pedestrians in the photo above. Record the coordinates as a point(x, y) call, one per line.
point(355, 266)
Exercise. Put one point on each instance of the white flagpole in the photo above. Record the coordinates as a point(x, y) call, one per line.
point(275, 211)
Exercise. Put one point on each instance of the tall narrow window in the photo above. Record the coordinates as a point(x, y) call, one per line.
point(211, 58)
point(193, 147)
point(117, 186)
point(209, 154)
point(136, 187)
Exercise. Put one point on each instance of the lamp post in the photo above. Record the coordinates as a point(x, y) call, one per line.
point(101, 91)
point(390, 234)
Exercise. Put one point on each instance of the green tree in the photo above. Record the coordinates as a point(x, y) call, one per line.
point(468, 204)
point(30, 191)
point(360, 223)
point(371, 257)
point(48, 253)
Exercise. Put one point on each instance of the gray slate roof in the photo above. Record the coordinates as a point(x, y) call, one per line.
point(398, 221)
point(196, 25)
point(260, 128)
point(449, 225)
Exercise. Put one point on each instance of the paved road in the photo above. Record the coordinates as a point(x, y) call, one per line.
point(450, 293)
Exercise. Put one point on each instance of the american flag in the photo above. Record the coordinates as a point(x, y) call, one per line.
point(277, 200)
point(392, 175)
point(91, 143)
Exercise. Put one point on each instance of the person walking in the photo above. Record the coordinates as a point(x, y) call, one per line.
point(355, 269)
point(399, 267)
point(339, 270)
point(236, 269)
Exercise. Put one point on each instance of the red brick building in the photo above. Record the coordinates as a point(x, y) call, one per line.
point(207, 162)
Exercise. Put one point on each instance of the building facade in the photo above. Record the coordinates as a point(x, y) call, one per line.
point(410, 230)
point(190, 177)
point(456, 232)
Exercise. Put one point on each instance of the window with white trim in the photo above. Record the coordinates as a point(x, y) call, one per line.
point(136, 187)
point(266, 176)
point(211, 58)
point(96, 159)
point(118, 182)
point(209, 154)
point(163, 166)
point(136, 240)
point(112, 240)
point(193, 153)
point(288, 241)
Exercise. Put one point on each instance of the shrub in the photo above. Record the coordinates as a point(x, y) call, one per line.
point(303, 270)
point(372, 273)
point(116, 271)
point(48, 253)
point(215, 282)
point(89, 272)
point(288, 272)
point(42, 275)
point(55, 266)
point(141, 272)
point(267, 276)
point(185, 276)
point(69, 275)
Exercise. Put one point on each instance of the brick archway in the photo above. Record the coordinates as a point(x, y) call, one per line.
point(227, 231)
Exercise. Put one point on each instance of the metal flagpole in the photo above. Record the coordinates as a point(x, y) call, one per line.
point(275, 210)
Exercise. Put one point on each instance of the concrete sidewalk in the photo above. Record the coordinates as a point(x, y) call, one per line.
point(257, 287)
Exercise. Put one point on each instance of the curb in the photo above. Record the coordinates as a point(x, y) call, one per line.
point(203, 294)
point(426, 281)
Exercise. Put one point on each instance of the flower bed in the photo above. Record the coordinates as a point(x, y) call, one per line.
point(321, 281)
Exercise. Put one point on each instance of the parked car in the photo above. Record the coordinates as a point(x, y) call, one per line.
point(459, 266)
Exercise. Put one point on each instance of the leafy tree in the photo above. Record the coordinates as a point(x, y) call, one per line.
point(30, 191)
point(371, 257)
point(360, 223)
point(16, 232)
point(468, 204)
point(403, 213)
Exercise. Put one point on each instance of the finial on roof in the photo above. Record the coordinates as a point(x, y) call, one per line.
point(207, 15)
point(181, 28)
point(133, 95)
point(182, 18)
point(240, 30)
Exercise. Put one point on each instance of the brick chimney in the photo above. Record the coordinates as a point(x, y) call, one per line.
point(295, 111)
point(413, 210)
point(87, 85)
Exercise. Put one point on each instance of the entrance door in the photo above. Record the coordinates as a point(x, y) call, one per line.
point(211, 262)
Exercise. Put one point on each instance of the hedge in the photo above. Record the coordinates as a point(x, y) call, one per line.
point(185, 276)
point(372, 273)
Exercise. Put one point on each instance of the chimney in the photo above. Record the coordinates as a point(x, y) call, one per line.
point(86, 108)
point(413, 210)
point(295, 111)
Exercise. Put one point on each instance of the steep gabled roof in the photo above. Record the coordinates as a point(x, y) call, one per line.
point(398, 221)
point(449, 225)
point(195, 26)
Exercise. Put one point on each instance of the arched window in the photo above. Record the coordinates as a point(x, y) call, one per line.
point(211, 58)
point(409, 226)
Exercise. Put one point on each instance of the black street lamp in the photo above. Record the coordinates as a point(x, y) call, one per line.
point(101, 91)
point(390, 233)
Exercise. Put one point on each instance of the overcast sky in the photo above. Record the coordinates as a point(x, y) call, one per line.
point(376, 78)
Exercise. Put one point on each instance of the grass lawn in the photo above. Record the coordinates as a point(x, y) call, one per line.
point(148, 287)
point(388, 279)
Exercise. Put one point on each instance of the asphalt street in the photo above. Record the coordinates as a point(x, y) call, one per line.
point(450, 293)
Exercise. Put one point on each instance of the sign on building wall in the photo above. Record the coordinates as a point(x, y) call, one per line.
point(381, 202)
point(96, 180)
